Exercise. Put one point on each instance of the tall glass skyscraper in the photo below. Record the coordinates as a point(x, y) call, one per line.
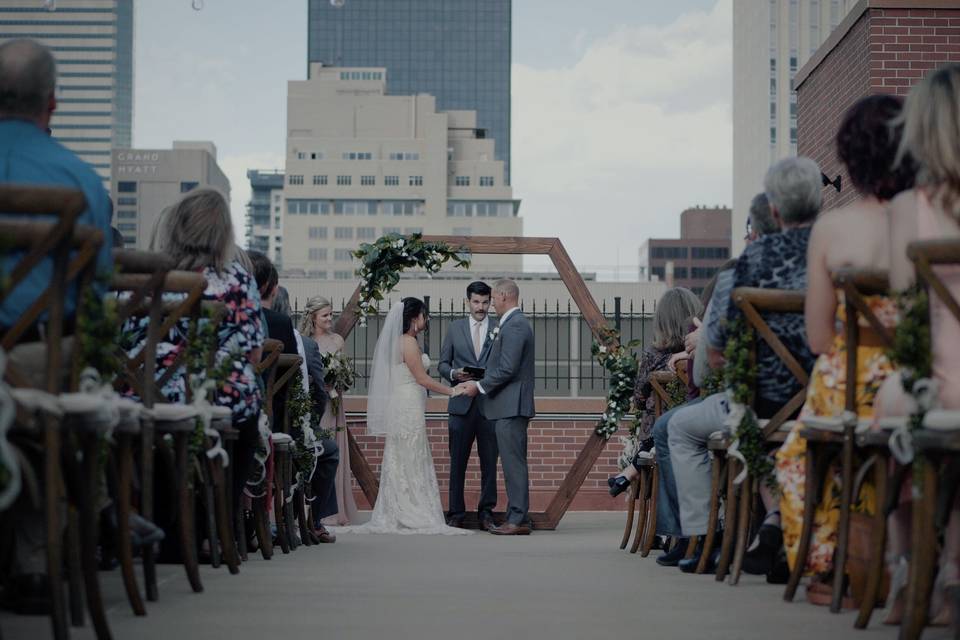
point(455, 50)
point(92, 41)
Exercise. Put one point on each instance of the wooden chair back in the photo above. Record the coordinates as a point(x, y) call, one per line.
point(661, 380)
point(754, 303)
point(288, 365)
point(267, 370)
point(26, 228)
point(147, 276)
point(857, 285)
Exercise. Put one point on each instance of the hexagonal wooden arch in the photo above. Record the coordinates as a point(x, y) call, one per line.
point(492, 245)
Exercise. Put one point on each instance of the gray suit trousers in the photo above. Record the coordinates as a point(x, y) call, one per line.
point(512, 443)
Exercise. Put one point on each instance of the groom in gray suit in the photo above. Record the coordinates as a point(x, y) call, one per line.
point(467, 344)
point(507, 389)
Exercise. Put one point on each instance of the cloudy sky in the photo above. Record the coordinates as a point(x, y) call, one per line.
point(621, 108)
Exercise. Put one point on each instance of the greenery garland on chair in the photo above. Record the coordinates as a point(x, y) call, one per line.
point(299, 407)
point(740, 375)
point(911, 352)
point(384, 260)
point(622, 365)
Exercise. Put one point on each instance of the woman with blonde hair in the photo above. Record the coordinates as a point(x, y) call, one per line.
point(197, 233)
point(317, 323)
point(931, 136)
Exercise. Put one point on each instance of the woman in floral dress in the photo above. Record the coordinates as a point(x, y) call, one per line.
point(317, 322)
point(198, 234)
point(867, 145)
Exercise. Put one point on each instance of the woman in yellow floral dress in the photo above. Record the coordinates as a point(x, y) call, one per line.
point(867, 145)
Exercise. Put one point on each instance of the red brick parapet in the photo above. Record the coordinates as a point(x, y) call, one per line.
point(556, 437)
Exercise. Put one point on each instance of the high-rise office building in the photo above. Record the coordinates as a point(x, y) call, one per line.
point(772, 39)
point(92, 41)
point(455, 50)
point(265, 214)
point(361, 164)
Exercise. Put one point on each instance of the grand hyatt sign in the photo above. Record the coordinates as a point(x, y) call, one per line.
point(137, 163)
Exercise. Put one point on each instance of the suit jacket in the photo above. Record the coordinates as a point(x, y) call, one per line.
point(457, 352)
point(509, 380)
point(318, 394)
point(280, 327)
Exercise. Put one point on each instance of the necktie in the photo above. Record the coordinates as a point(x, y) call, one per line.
point(477, 341)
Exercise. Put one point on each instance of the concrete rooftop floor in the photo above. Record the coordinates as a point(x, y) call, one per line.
point(573, 583)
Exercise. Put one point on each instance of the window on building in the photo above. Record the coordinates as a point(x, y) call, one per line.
point(320, 274)
point(127, 226)
point(129, 240)
point(680, 273)
point(366, 233)
point(668, 253)
point(773, 110)
point(126, 187)
point(773, 135)
point(319, 180)
point(658, 272)
point(405, 155)
point(344, 181)
point(301, 155)
point(773, 86)
point(127, 201)
point(702, 273)
point(416, 181)
point(773, 65)
point(343, 275)
point(709, 253)
point(316, 155)
point(343, 233)
point(463, 231)
point(793, 135)
point(343, 255)
point(462, 181)
point(317, 233)
point(276, 222)
point(294, 179)
point(486, 181)
point(391, 181)
point(126, 214)
point(316, 254)
point(368, 181)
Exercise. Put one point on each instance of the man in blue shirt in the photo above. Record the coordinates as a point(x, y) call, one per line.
point(29, 156)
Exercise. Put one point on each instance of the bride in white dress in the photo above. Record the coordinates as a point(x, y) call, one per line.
point(409, 498)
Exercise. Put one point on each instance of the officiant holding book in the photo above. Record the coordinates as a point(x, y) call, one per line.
point(463, 357)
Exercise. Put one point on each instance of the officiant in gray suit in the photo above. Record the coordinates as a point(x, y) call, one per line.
point(507, 388)
point(467, 345)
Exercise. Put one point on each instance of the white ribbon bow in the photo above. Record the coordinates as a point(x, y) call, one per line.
point(205, 411)
point(735, 414)
point(8, 460)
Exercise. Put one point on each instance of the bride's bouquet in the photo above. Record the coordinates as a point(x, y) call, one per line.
point(338, 376)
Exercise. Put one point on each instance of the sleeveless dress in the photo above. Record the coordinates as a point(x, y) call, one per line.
point(409, 497)
point(336, 423)
point(826, 396)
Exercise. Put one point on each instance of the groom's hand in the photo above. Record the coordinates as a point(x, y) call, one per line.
point(468, 389)
point(460, 375)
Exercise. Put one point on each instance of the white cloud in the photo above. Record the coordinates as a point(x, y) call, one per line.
point(608, 152)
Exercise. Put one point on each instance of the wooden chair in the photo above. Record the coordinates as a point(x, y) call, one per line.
point(159, 418)
point(267, 370)
point(938, 447)
point(287, 366)
point(41, 222)
point(832, 438)
point(754, 303)
point(645, 488)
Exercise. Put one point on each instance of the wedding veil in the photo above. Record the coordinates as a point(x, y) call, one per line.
point(386, 358)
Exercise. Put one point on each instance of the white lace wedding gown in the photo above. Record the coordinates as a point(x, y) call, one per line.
point(409, 498)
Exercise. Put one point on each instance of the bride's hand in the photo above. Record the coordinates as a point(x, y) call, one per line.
point(455, 391)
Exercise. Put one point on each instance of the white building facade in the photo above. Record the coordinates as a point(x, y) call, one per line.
point(772, 39)
point(146, 181)
point(361, 164)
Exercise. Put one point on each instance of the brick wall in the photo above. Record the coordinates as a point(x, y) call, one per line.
point(553, 445)
point(885, 48)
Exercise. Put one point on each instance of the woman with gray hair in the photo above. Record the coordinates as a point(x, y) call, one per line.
point(317, 323)
point(197, 233)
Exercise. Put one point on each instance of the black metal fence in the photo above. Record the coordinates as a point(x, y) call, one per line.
point(564, 364)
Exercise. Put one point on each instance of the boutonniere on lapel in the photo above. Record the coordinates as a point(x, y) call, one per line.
point(494, 333)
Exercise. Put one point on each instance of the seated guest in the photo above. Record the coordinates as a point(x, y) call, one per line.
point(29, 156)
point(931, 136)
point(776, 261)
point(280, 327)
point(675, 310)
point(866, 145)
point(198, 234)
point(760, 222)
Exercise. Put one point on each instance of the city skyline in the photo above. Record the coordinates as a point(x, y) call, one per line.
point(622, 115)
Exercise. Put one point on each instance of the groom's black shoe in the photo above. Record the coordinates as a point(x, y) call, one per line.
point(486, 521)
point(456, 520)
point(510, 529)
